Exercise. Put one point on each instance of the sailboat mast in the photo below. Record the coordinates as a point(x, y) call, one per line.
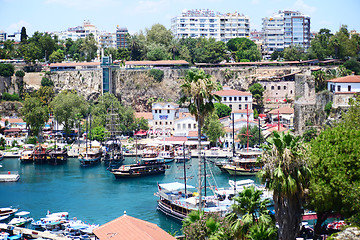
point(184, 169)
point(247, 127)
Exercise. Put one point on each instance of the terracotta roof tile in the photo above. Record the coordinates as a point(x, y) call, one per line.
point(242, 111)
point(347, 79)
point(232, 92)
point(130, 228)
point(74, 64)
point(282, 110)
point(161, 62)
point(146, 115)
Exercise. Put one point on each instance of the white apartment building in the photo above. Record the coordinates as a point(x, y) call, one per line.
point(107, 40)
point(78, 32)
point(164, 115)
point(236, 100)
point(284, 29)
point(184, 124)
point(208, 24)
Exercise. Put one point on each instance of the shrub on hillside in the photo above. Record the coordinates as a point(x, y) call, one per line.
point(10, 97)
point(20, 73)
point(6, 69)
point(157, 74)
point(45, 82)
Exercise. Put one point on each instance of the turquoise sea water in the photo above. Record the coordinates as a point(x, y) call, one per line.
point(92, 194)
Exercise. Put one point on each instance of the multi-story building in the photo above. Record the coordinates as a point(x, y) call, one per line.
point(164, 115)
point(208, 24)
point(14, 37)
point(107, 40)
point(121, 37)
point(284, 29)
point(2, 36)
point(236, 100)
point(78, 32)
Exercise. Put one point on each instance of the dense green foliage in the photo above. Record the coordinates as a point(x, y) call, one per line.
point(335, 182)
point(212, 128)
point(222, 110)
point(286, 172)
point(253, 138)
point(6, 70)
point(46, 82)
point(35, 114)
point(10, 97)
point(20, 73)
point(157, 74)
point(243, 49)
point(257, 91)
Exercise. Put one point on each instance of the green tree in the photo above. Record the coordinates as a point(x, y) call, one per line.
point(158, 34)
point(286, 172)
point(23, 35)
point(98, 133)
point(222, 110)
point(32, 52)
point(66, 105)
point(2, 143)
point(47, 45)
point(123, 54)
point(6, 69)
point(244, 48)
point(46, 82)
point(35, 114)
point(156, 52)
point(293, 53)
point(320, 80)
point(157, 74)
point(353, 65)
point(46, 94)
point(57, 56)
point(320, 45)
point(20, 73)
point(213, 128)
point(257, 91)
point(253, 139)
point(89, 47)
point(335, 184)
point(276, 55)
point(344, 46)
point(197, 89)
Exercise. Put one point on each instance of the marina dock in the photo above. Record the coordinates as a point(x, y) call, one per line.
point(30, 232)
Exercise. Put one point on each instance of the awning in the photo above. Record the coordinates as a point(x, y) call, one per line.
point(174, 186)
point(140, 133)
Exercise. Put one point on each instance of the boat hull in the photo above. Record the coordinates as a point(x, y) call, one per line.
point(134, 174)
point(88, 162)
point(240, 171)
point(168, 211)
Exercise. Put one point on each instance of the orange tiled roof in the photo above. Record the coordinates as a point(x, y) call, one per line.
point(282, 110)
point(130, 228)
point(161, 62)
point(13, 120)
point(347, 79)
point(74, 64)
point(232, 92)
point(242, 111)
point(192, 134)
point(146, 115)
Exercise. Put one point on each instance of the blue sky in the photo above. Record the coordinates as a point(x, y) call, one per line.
point(58, 15)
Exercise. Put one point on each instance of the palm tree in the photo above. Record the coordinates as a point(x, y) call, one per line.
point(173, 48)
point(286, 172)
point(198, 92)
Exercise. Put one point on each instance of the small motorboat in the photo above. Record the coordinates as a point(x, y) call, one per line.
point(20, 219)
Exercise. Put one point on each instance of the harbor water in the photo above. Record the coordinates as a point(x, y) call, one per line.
point(92, 194)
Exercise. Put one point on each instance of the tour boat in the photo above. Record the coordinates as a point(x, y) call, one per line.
point(144, 167)
point(9, 177)
point(113, 151)
point(27, 156)
point(168, 156)
point(21, 219)
point(245, 164)
point(90, 156)
point(176, 202)
point(7, 211)
point(39, 154)
point(57, 155)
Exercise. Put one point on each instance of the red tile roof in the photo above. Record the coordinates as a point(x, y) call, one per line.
point(242, 111)
point(130, 228)
point(161, 62)
point(176, 138)
point(146, 115)
point(74, 64)
point(232, 92)
point(13, 120)
point(193, 134)
point(346, 79)
point(282, 110)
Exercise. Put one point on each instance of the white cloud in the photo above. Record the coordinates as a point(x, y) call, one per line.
point(150, 6)
point(14, 27)
point(303, 7)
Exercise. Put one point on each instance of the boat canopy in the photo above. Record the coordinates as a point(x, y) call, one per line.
point(174, 186)
point(22, 213)
point(241, 182)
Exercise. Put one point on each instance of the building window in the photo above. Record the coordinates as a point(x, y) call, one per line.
point(179, 126)
point(279, 87)
point(272, 87)
point(189, 126)
point(230, 99)
point(160, 123)
point(284, 87)
point(235, 98)
point(230, 106)
point(194, 125)
point(290, 91)
point(246, 106)
point(224, 99)
point(155, 111)
point(239, 106)
point(349, 88)
point(159, 111)
point(339, 88)
point(170, 123)
point(264, 87)
point(168, 111)
point(155, 123)
point(239, 98)
point(184, 126)
point(166, 123)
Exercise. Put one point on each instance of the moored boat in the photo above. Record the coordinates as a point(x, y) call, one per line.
point(21, 219)
point(39, 154)
point(90, 156)
point(56, 156)
point(144, 167)
point(245, 164)
point(9, 177)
